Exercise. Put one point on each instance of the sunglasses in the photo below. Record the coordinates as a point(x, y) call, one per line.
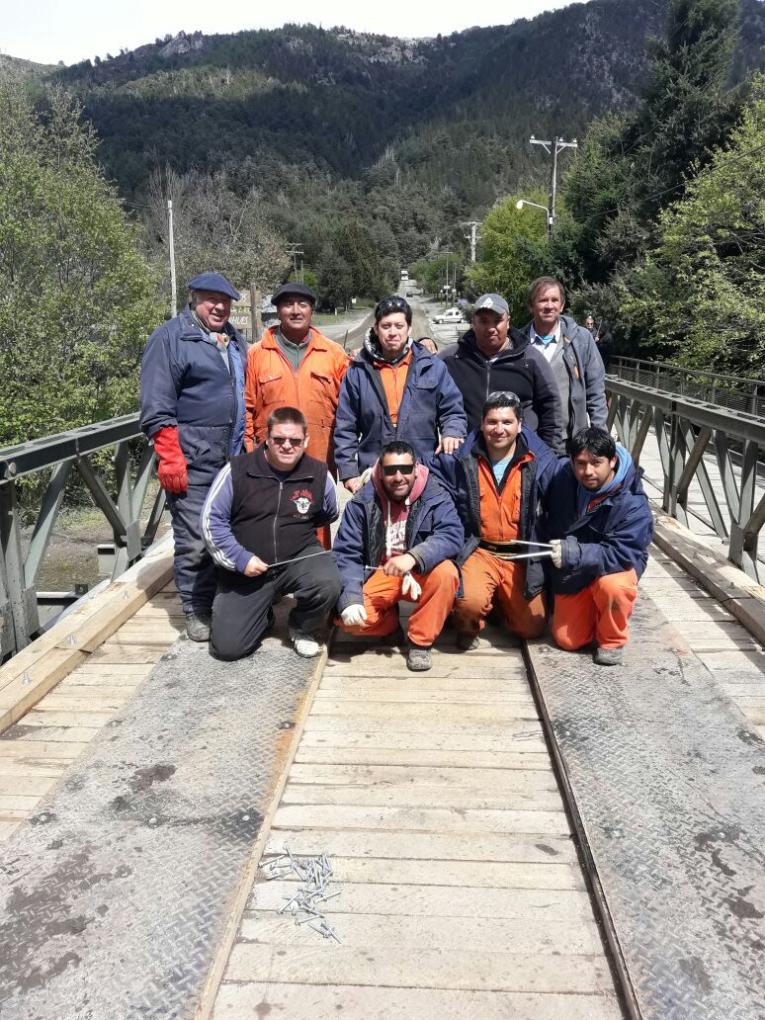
point(286, 441)
point(391, 304)
point(391, 469)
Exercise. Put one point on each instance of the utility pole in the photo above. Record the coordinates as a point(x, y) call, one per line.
point(472, 236)
point(553, 148)
point(173, 299)
point(293, 250)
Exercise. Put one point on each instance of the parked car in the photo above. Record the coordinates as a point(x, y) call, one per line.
point(450, 315)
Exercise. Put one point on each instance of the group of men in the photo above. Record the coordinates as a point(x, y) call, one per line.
point(462, 500)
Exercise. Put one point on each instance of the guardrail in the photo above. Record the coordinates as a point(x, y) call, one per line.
point(737, 392)
point(19, 615)
point(689, 432)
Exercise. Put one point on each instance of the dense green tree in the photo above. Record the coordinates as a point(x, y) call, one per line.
point(700, 294)
point(78, 298)
point(513, 251)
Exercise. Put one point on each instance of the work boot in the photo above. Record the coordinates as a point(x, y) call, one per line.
point(304, 644)
point(609, 656)
point(418, 659)
point(198, 626)
point(467, 642)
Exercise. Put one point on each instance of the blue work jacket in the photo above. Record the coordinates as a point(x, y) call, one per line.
point(186, 384)
point(430, 403)
point(612, 535)
point(433, 534)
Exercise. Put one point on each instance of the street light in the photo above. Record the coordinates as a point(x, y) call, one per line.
point(524, 201)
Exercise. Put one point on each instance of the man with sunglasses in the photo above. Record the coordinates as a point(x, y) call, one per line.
point(397, 540)
point(259, 523)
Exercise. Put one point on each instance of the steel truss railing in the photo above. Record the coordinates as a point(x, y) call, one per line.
point(65, 452)
point(689, 432)
point(740, 393)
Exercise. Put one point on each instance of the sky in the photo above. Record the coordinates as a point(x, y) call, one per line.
point(49, 31)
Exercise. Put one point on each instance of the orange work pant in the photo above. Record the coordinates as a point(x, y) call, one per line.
point(486, 578)
point(382, 595)
point(600, 612)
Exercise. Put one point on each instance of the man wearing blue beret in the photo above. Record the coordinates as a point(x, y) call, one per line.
point(192, 408)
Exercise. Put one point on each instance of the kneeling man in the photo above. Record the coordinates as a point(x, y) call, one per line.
point(600, 526)
point(259, 523)
point(396, 541)
point(496, 479)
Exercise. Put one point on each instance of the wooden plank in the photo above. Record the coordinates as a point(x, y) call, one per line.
point(80, 735)
point(499, 780)
point(62, 719)
point(426, 721)
point(16, 804)
point(462, 686)
point(242, 1001)
point(544, 823)
point(113, 652)
point(40, 750)
point(81, 696)
point(469, 712)
point(405, 795)
point(21, 768)
point(435, 901)
point(431, 968)
point(542, 937)
point(25, 784)
point(466, 874)
point(429, 846)
point(96, 671)
point(446, 758)
point(428, 741)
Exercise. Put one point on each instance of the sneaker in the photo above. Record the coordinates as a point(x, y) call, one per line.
point(418, 659)
point(609, 656)
point(467, 642)
point(304, 644)
point(198, 626)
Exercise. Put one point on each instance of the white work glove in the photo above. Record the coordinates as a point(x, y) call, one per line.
point(556, 552)
point(411, 588)
point(354, 616)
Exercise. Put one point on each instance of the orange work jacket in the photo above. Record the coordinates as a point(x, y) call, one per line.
point(314, 389)
point(500, 511)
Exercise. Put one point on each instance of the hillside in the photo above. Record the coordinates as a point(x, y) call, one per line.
point(405, 136)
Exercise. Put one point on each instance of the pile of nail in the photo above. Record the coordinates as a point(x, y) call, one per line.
point(315, 874)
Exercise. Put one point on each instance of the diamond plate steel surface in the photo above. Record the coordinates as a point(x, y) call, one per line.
point(115, 895)
point(669, 781)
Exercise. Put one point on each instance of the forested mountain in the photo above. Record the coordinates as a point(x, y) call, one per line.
point(367, 149)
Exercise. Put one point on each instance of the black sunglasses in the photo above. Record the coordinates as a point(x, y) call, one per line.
point(391, 469)
point(285, 440)
point(391, 304)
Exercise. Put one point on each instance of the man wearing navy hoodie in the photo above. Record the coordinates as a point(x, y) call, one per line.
point(397, 540)
point(600, 526)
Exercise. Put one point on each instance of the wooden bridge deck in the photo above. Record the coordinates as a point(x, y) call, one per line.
point(461, 886)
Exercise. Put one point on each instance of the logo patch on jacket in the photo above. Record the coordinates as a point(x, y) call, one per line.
point(302, 498)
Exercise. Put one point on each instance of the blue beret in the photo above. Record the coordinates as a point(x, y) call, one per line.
point(213, 281)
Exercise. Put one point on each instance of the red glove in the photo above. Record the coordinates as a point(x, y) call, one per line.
point(172, 464)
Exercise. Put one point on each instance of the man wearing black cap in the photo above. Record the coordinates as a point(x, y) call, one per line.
point(493, 356)
point(192, 408)
point(295, 365)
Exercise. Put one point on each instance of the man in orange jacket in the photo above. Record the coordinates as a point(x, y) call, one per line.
point(294, 365)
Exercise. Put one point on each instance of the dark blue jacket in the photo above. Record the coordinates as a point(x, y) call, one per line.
point(185, 383)
point(459, 474)
point(612, 536)
point(430, 402)
point(433, 534)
